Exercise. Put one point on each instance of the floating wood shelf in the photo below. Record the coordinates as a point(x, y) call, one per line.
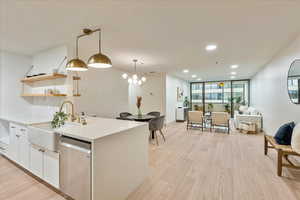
point(43, 95)
point(43, 78)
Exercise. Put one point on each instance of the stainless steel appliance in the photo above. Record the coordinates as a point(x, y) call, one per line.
point(75, 168)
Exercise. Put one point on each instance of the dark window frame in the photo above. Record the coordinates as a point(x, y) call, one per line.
point(231, 92)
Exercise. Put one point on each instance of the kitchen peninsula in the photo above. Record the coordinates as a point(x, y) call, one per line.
point(109, 159)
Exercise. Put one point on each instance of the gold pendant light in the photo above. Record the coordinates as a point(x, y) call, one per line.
point(98, 60)
point(76, 64)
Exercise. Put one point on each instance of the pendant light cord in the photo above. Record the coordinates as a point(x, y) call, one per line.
point(99, 40)
point(77, 46)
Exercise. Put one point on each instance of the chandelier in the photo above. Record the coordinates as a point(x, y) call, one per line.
point(135, 78)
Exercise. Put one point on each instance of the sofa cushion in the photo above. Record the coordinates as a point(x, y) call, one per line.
point(243, 109)
point(252, 111)
point(284, 134)
point(296, 139)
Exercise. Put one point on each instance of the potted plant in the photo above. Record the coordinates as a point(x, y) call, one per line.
point(59, 119)
point(227, 107)
point(210, 107)
point(186, 102)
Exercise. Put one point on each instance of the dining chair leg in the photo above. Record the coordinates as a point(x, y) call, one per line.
point(228, 127)
point(156, 138)
point(162, 135)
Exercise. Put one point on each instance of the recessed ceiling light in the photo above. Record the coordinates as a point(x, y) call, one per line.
point(211, 47)
point(199, 79)
point(194, 76)
point(233, 73)
point(185, 71)
point(232, 77)
point(234, 66)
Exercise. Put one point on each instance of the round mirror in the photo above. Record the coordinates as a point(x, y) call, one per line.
point(293, 82)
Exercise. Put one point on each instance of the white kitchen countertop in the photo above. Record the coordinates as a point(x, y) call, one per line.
point(98, 128)
point(24, 119)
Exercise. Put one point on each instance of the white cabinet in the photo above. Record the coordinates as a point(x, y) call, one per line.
point(13, 147)
point(51, 168)
point(36, 161)
point(45, 164)
point(18, 149)
point(42, 163)
point(23, 153)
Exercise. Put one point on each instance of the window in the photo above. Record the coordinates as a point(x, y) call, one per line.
point(222, 95)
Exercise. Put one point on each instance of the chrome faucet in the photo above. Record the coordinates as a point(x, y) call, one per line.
point(73, 117)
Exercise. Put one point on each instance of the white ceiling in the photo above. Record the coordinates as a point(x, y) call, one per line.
point(168, 36)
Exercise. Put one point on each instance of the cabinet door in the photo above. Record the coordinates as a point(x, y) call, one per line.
point(51, 168)
point(24, 148)
point(13, 147)
point(36, 161)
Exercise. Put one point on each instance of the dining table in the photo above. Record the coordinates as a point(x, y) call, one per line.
point(140, 118)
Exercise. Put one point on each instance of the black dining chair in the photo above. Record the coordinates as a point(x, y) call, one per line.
point(156, 124)
point(125, 114)
point(155, 114)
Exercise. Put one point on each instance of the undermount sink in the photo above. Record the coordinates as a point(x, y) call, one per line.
point(43, 135)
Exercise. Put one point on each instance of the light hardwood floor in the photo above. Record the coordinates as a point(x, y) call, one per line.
point(191, 165)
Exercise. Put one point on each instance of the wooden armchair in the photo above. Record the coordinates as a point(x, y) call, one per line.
point(195, 118)
point(283, 151)
point(220, 119)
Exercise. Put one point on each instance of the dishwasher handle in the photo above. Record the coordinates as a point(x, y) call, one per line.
point(75, 147)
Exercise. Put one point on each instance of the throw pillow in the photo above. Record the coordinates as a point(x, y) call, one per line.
point(296, 138)
point(284, 134)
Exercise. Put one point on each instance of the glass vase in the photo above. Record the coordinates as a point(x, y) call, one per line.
point(139, 112)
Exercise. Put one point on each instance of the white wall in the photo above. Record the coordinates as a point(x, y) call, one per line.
point(45, 62)
point(103, 92)
point(13, 69)
point(152, 93)
point(269, 90)
point(171, 96)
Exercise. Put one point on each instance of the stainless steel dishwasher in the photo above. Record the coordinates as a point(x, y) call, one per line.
point(75, 168)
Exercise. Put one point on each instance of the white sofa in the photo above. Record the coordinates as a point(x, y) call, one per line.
point(248, 114)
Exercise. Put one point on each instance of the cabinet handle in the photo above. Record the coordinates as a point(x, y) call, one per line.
point(42, 150)
point(12, 127)
point(17, 136)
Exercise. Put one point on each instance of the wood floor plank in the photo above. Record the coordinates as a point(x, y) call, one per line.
point(190, 165)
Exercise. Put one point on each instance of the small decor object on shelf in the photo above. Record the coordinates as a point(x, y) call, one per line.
point(59, 119)
point(138, 105)
point(76, 80)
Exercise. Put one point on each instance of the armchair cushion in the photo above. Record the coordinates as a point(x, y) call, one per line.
point(295, 143)
point(284, 134)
